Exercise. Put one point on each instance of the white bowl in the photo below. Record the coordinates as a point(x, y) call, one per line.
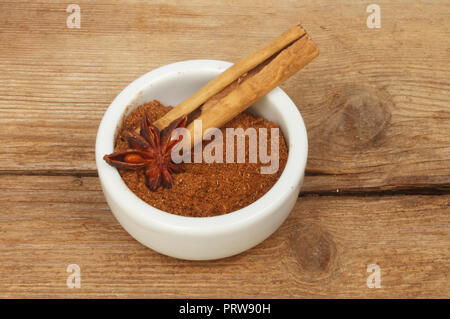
point(200, 238)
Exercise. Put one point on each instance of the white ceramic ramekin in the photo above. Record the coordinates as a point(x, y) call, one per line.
point(206, 237)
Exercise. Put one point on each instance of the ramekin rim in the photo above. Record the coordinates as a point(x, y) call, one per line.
point(146, 214)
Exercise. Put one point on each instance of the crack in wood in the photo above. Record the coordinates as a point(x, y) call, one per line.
point(443, 189)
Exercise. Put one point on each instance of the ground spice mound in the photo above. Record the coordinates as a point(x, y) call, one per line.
point(205, 189)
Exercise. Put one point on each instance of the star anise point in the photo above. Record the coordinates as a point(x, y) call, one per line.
point(150, 150)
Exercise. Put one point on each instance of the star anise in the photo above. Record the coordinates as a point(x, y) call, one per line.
point(150, 150)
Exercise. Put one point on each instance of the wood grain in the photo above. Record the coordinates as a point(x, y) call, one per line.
point(375, 103)
point(322, 250)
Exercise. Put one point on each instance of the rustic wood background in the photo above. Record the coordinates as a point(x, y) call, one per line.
point(375, 103)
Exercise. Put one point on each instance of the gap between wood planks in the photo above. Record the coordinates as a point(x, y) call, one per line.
point(443, 189)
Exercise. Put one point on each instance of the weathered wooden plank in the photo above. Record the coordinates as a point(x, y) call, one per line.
point(375, 102)
point(322, 250)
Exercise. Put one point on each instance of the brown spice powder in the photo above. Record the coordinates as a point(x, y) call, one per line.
point(205, 189)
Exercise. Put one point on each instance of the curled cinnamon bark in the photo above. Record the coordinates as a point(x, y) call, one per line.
point(246, 82)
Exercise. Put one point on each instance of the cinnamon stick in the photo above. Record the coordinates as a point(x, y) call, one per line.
point(245, 82)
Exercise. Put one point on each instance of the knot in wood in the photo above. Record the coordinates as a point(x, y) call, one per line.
point(359, 119)
point(314, 250)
